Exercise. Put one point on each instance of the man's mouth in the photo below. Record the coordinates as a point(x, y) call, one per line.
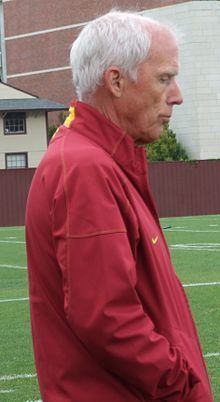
point(165, 119)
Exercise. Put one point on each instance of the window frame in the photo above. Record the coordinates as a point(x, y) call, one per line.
point(16, 154)
point(15, 115)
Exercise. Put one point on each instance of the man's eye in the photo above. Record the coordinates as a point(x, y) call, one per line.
point(165, 79)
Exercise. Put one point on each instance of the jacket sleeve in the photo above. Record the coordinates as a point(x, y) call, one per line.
point(99, 279)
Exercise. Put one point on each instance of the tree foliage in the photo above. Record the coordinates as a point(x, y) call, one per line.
point(53, 127)
point(167, 148)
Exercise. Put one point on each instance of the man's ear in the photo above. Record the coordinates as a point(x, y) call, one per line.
point(114, 81)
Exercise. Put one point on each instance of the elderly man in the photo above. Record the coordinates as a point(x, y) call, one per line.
point(110, 320)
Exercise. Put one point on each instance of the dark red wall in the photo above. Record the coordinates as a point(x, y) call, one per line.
point(180, 189)
point(186, 188)
point(14, 185)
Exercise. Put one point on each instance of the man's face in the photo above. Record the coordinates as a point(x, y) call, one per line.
point(148, 102)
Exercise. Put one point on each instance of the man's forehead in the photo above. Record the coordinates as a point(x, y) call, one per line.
point(164, 61)
point(163, 34)
point(162, 42)
point(165, 55)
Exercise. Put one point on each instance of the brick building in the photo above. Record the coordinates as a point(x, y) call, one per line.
point(36, 36)
point(38, 41)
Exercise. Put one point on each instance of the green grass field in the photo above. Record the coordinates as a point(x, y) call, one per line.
point(195, 247)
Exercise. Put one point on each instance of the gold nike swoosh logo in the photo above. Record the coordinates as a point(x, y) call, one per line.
point(154, 239)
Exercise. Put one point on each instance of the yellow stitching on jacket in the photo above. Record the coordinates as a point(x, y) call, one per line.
point(99, 233)
point(64, 183)
point(117, 144)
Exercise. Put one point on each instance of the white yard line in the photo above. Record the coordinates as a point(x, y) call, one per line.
point(12, 242)
point(212, 354)
point(194, 249)
point(14, 300)
point(6, 391)
point(16, 377)
point(39, 400)
point(187, 285)
point(9, 229)
point(193, 231)
point(196, 246)
point(12, 266)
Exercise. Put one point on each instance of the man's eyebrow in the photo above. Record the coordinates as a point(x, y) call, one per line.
point(168, 73)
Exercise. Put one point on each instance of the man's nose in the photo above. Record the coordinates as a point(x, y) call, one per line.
point(175, 95)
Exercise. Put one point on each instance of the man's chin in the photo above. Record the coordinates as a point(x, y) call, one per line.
point(149, 136)
point(155, 136)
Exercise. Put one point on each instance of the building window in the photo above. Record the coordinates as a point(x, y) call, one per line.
point(15, 123)
point(16, 161)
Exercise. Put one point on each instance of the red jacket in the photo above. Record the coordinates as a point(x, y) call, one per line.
point(110, 320)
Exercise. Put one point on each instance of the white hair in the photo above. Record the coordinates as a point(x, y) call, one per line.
point(118, 38)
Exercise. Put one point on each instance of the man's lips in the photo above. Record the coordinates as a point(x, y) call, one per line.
point(165, 118)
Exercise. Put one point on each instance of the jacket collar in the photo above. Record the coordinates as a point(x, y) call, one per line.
point(89, 122)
